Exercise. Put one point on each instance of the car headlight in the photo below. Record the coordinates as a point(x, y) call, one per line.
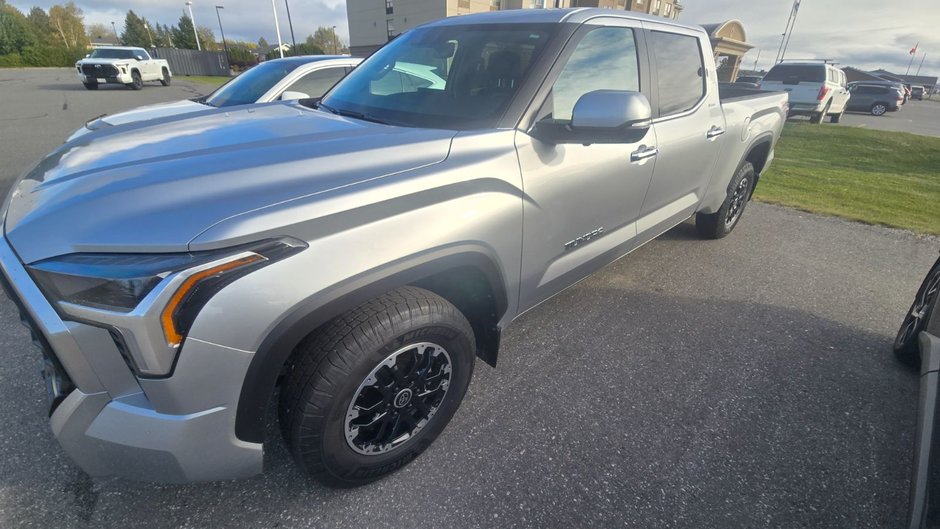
point(154, 298)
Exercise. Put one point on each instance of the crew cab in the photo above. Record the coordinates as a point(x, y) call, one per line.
point(361, 251)
point(130, 67)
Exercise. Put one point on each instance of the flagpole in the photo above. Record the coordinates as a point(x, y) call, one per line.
point(913, 56)
point(921, 63)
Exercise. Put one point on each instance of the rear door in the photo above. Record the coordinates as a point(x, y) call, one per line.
point(689, 127)
point(582, 201)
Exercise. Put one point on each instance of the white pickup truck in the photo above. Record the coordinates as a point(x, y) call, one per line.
point(119, 65)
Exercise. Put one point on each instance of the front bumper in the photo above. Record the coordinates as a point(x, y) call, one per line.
point(120, 78)
point(175, 429)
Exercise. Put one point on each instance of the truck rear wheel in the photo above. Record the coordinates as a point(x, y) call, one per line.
point(371, 390)
point(166, 79)
point(906, 347)
point(720, 223)
point(818, 117)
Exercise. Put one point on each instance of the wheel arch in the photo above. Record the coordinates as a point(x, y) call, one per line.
point(758, 153)
point(470, 278)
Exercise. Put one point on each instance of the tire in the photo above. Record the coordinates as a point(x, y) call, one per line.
point(90, 86)
point(878, 109)
point(166, 79)
point(818, 117)
point(837, 118)
point(136, 81)
point(334, 377)
point(906, 347)
point(719, 224)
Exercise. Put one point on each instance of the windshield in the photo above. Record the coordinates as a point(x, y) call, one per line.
point(105, 53)
point(453, 77)
point(251, 85)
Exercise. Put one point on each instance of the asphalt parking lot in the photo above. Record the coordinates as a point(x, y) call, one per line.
point(746, 382)
point(918, 117)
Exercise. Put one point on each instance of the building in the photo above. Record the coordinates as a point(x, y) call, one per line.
point(729, 42)
point(372, 23)
point(262, 52)
point(853, 74)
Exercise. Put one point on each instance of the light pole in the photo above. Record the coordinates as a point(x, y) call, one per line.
point(277, 29)
point(222, 31)
point(335, 47)
point(193, 20)
point(114, 29)
point(291, 25)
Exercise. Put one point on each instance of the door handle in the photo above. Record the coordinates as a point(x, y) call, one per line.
point(643, 153)
point(714, 132)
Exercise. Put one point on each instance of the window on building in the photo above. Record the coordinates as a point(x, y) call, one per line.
point(390, 28)
point(605, 59)
point(463, 4)
point(667, 10)
point(656, 7)
point(317, 82)
point(680, 72)
point(389, 8)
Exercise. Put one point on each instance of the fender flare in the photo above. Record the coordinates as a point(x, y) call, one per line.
point(277, 347)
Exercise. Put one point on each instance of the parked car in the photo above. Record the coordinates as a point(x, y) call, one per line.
point(131, 67)
point(902, 90)
point(917, 92)
point(363, 249)
point(918, 346)
point(876, 99)
point(816, 89)
point(278, 79)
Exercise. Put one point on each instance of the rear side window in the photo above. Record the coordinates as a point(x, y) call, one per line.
point(317, 82)
point(680, 72)
point(797, 73)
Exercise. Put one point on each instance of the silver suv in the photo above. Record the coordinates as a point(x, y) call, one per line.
point(359, 255)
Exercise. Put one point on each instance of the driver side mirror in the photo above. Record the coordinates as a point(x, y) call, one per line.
point(139, 57)
point(601, 116)
point(288, 95)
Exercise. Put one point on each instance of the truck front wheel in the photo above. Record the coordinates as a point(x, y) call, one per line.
point(91, 85)
point(720, 223)
point(371, 390)
point(137, 81)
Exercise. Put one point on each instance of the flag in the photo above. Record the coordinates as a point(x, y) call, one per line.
point(914, 49)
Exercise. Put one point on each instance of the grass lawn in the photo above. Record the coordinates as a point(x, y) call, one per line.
point(205, 79)
point(871, 176)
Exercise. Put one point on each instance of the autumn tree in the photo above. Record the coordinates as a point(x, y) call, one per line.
point(67, 22)
point(207, 39)
point(326, 39)
point(98, 31)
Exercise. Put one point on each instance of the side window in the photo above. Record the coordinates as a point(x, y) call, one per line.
point(605, 59)
point(680, 71)
point(317, 82)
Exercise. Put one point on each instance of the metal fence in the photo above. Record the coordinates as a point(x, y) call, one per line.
point(192, 62)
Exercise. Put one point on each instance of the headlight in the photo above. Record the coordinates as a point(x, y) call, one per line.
point(155, 298)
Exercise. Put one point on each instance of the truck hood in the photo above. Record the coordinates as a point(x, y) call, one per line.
point(155, 185)
point(160, 110)
point(104, 60)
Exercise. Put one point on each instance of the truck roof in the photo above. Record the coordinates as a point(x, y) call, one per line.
point(575, 15)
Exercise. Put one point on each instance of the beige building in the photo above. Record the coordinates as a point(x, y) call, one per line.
point(372, 23)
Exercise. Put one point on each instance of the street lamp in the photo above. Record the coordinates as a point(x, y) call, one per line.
point(291, 24)
point(277, 28)
point(222, 31)
point(335, 47)
point(193, 20)
point(114, 29)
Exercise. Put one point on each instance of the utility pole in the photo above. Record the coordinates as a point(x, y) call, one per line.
point(222, 31)
point(757, 59)
point(193, 20)
point(277, 29)
point(291, 25)
point(785, 38)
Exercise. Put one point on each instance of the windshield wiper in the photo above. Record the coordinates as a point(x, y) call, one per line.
point(353, 114)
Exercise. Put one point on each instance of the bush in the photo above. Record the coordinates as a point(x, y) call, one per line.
point(51, 56)
point(11, 60)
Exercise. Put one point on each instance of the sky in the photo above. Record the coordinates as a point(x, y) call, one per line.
point(867, 34)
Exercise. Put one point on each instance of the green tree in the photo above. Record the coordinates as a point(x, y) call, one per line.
point(183, 35)
point(15, 31)
point(135, 31)
point(262, 42)
point(305, 48)
point(327, 40)
point(67, 22)
point(42, 27)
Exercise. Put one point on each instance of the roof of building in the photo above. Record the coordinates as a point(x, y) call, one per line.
point(271, 47)
point(727, 29)
point(923, 80)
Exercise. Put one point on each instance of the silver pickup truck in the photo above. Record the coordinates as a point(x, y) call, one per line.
point(351, 257)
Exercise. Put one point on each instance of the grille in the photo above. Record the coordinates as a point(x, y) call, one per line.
point(99, 70)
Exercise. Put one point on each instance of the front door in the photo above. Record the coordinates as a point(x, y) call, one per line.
point(582, 201)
